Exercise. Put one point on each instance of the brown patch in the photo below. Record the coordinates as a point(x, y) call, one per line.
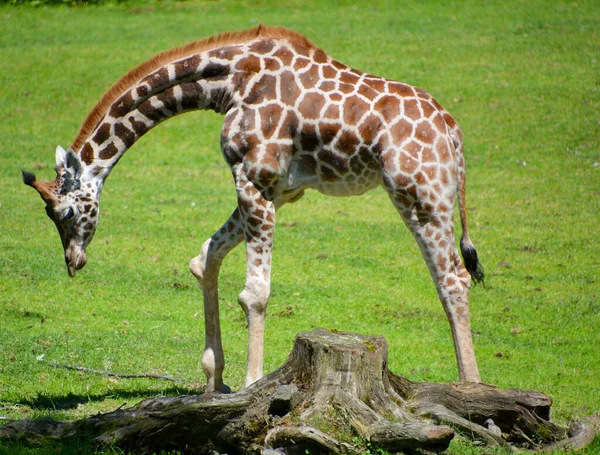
point(285, 55)
point(400, 89)
point(274, 150)
point(408, 164)
point(311, 105)
point(167, 98)
point(225, 53)
point(348, 78)
point(346, 88)
point(441, 207)
point(301, 63)
point(427, 155)
point(400, 131)
point(411, 109)
point(158, 78)
point(430, 171)
point(332, 160)
point(335, 97)
point(263, 90)
point(329, 131)
point(378, 84)
point(367, 91)
point(442, 263)
point(309, 78)
point(425, 133)
point(329, 72)
point(444, 178)
point(262, 46)
point(150, 112)
point(122, 106)
point(87, 154)
point(389, 107)
point(444, 155)
point(266, 177)
point(272, 65)
point(290, 124)
point(108, 152)
point(428, 109)
point(338, 66)
point(347, 142)
point(354, 108)
point(189, 98)
point(186, 68)
point(250, 64)
point(332, 112)
point(402, 181)
point(102, 134)
point(438, 122)
point(270, 116)
point(142, 91)
point(301, 49)
point(125, 134)
point(309, 140)
point(422, 94)
point(215, 71)
point(369, 128)
point(289, 88)
point(320, 56)
point(327, 86)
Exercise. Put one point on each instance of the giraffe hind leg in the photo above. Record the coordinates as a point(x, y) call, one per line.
point(434, 233)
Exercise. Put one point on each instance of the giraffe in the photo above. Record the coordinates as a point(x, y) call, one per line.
point(295, 119)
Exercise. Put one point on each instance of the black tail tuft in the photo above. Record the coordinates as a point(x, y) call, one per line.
point(472, 264)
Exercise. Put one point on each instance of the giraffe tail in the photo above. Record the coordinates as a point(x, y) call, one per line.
point(467, 249)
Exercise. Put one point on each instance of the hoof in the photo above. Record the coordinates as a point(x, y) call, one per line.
point(221, 390)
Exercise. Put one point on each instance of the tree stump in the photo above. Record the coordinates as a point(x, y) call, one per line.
point(334, 394)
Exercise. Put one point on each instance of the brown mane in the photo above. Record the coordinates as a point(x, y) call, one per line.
point(177, 53)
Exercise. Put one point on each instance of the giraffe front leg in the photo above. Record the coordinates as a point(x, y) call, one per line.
point(205, 267)
point(258, 218)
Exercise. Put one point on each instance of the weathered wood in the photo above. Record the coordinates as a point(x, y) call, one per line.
point(333, 388)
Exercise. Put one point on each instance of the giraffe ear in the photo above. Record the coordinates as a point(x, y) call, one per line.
point(73, 171)
point(60, 156)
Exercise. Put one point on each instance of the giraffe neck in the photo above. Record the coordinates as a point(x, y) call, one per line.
point(197, 82)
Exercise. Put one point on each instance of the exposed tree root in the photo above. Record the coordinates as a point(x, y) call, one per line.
point(334, 394)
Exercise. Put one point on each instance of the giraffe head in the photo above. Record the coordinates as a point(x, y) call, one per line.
point(72, 206)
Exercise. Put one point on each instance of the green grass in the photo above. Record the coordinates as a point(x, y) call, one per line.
point(523, 80)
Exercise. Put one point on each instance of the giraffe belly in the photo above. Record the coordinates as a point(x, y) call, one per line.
point(335, 176)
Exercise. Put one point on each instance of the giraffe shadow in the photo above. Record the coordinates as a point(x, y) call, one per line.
point(50, 402)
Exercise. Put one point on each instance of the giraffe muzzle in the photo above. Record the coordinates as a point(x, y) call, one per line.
point(75, 259)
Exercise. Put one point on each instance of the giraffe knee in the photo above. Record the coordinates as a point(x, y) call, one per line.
point(254, 298)
point(199, 264)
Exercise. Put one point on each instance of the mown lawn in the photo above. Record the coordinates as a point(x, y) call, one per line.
point(522, 78)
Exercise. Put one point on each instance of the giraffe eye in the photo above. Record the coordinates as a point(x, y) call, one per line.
point(67, 214)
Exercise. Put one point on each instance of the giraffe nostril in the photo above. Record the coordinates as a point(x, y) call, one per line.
point(81, 261)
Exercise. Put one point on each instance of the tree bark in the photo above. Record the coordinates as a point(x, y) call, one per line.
point(334, 394)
